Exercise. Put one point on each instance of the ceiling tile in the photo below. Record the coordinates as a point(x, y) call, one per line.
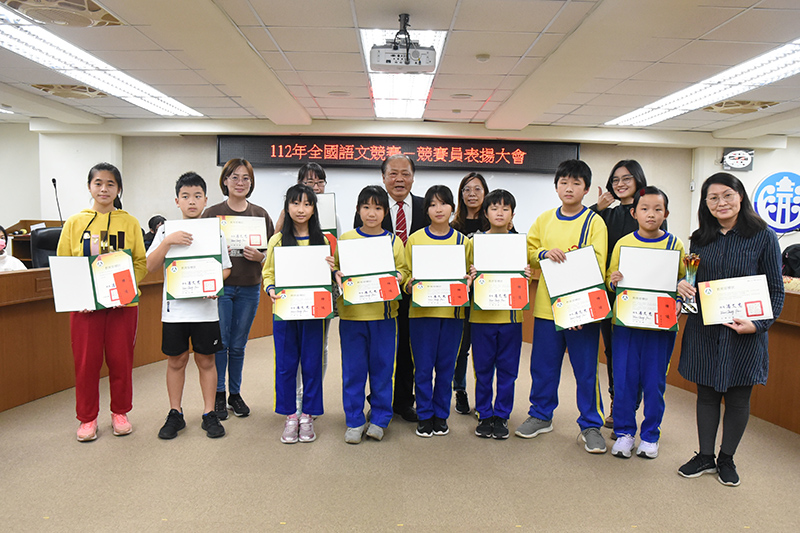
point(465, 82)
point(353, 103)
point(355, 113)
point(327, 14)
point(170, 77)
point(259, 38)
point(675, 72)
point(385, 13)
point(699, 21)
point(647, 88)
point(724, 53)
point(546, 43)
point(105, 38)
point(761, 25)
point(526, 66)
point(239, 11)
point(131, 60)
point(464, 105)
point(326, 61)
point(655, 49)
point(329, 78)
point(508, 16)
point(315, 39)
point(177, 91)
point(471, 43)
point(622, 70)
point(571, 16)
point(355, 92)
point(452, 64)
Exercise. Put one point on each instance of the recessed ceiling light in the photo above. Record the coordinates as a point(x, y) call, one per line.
point(757, 72)
point(460, 96)
point(338, 94)
point(30, 40)
point(401, 95)
point(482, 58)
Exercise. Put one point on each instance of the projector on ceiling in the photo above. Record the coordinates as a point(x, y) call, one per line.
point(391, 58)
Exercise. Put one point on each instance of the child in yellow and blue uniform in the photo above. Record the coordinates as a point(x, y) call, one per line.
point(641, 356)
point(435, 332)
point(368, 332)
point(496, 339)
point(297, 341)
point(569, 227)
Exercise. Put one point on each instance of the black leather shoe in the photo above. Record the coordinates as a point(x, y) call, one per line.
point(409, 414)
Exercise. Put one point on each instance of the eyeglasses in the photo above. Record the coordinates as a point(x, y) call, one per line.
point(314, 183)
point(627, 179)
point(713, 201)
point(470, 190)
point(237, 179)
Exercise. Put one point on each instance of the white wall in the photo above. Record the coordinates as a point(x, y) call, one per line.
point(68, 158)
point(19, 174)
point(766, 163)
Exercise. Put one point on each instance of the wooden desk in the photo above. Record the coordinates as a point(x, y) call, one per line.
point(36, 355)
point(779, 400)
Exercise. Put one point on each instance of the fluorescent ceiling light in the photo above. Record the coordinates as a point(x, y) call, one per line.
point(6, 111)
point(402, 95)
point(757, 72)
point(33, 42)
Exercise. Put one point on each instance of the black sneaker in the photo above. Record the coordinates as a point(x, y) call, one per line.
point(727, 471)
point(500, 428)
point(425, 428)
point(237, 404)
point(219, 406)
point(462, 403)
point(212, 426)
point(172, 426)
point(484, 428)
point(698, 465)
point(440, 426)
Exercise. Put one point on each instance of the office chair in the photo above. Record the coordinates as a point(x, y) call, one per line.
point(44, 242)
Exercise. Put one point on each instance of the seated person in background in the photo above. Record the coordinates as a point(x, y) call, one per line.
point(7, 261)
point(154, 223)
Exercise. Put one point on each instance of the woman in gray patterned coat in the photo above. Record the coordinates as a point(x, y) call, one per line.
point(725, 361)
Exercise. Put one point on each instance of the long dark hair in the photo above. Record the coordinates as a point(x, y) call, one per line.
point(460, 219)
point(108, 167)
point(748, 223)
point(635, 170)
point(295, 194)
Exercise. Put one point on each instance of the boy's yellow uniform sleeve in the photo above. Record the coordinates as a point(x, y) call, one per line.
point(614, 266)
point(268, 271)
point(535, 249)
point(400, 260)
point(599, 239)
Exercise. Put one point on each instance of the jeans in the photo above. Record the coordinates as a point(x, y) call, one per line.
point(237, 309)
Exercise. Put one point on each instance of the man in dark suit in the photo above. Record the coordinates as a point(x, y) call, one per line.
point(398, 177)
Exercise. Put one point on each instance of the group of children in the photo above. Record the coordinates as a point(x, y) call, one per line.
point(368, 332)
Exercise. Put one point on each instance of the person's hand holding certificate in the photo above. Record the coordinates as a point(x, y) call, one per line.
point(438, 272)
point(368, 270)
point(576, 288)
point(302, 283)
point(500, 262)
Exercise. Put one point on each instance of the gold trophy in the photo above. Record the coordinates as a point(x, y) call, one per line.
point(691, 262)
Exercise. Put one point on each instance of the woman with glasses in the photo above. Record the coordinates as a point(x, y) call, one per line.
point(725, 361)
point(238, 304)
point(311, 175)
point(469, 219)
point(625, 179)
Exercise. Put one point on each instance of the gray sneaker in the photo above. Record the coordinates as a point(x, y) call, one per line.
point(353, 435)
point(595, 443)
point(533, 426)
point(375, 432)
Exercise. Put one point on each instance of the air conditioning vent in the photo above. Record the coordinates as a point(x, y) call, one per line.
point(75, 13)
point(71, 91)
point(736, 107)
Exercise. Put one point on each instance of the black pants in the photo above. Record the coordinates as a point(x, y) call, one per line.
point(737, 413)
point(404, 364)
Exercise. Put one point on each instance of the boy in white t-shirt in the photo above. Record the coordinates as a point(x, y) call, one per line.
point(196, 319)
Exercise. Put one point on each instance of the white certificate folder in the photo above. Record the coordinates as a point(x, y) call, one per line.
point(438, 262)
point(500, 253)
point(302, 266)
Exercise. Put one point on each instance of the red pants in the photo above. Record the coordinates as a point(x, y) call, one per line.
point(112, 331)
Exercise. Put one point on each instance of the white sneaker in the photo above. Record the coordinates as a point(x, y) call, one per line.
point(353, 435)
point(648, 450)
point(623, 446)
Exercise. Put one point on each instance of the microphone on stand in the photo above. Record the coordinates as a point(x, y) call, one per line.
point(60, 218)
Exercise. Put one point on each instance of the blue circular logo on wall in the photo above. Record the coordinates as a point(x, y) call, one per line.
point(777, 201)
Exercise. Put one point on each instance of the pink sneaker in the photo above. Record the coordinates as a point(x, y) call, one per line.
point(120, 424)
point(307, 428)
point(290, 430)
point(87, 431)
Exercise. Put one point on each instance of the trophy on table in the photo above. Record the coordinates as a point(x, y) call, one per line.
point(691, 262)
